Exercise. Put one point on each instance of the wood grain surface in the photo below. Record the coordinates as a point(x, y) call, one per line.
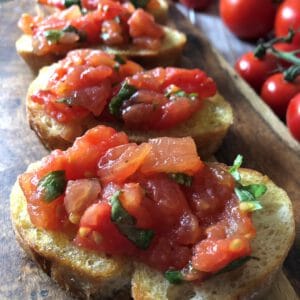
point(256, 133)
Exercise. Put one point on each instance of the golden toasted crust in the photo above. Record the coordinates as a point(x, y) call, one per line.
point(168, 54)
point(208, 126)
point(91, 275)
point(275, 234)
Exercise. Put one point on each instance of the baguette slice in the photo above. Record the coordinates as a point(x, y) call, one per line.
point(91, 275)
point(168, 54)
point(207, 127)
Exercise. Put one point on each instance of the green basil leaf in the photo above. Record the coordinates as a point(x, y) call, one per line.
point(53, 36)
point(236, 165)
point(139, 3)
point(257, 190)
point(125, 93)
point(126, 224)
point(243, 194)
point(235, 264)
point(68, 3)
point(52, 185)
point(119, 59)
point(174, 276)
point(67, 101)
point(182, 178)
point(118, 214)
point(82, 34)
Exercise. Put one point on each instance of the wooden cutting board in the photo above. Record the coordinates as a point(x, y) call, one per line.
point(256, 133)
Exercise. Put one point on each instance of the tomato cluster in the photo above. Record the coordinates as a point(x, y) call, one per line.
point(266, 73)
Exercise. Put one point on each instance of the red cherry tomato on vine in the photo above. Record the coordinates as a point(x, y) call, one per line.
point(286, 47)
point(248, 19)
point(196, 4)
point(288, 16)
point(293, 117)
point(256, 70)
point(277, 92)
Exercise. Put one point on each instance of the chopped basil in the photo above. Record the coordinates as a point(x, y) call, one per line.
point(119, 59)
point(246, 193)
point(126, 224)
point(182, 178)
point(236, 264)
point(67, 101)
point(53, 36)
point(68, 3)
point(236, 165)
point(139, 3)
point(52, 185)
point(174, 276)
point(125, 93)
point(82, 34)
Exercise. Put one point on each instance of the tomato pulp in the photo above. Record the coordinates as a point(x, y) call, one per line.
point(93, 83)
point(112, 24)
point(156, 202)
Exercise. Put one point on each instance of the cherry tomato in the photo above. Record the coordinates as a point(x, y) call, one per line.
point(255, 70)
point(293, 116)
point(196, 4)
point(277, 92)
point(249, 19)
point(288, 16)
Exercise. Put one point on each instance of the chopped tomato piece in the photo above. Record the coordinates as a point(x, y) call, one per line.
point(97, 232)
point(121, 162)
point(142, 24)
point(172, 155)
point(213, 255)
point(80, 194)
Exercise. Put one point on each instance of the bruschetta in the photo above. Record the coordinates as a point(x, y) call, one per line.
point(157, 8)
point(90, 87)
point(114, 27)
point(108, 218)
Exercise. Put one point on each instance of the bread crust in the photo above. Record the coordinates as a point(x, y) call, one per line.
point(67, 264)
point(207, 127)
point(168, 54)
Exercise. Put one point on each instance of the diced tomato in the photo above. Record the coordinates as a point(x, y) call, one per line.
point(88, 149)
point(172, 155)
point(149, 80)
point(52, 215)
point(142, 24)
point(121, 162)
point(210, 190)
point(134, 202)
point(80, 194)
point(99, 233)
point(191, 81)
point(167, 200)
point(213, 255)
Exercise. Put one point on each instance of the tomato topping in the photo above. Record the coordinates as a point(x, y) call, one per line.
point(157, 203)
point(80, 194)
point(81, 84)
point(110, 23)
point(172, 155)
point(91, 82)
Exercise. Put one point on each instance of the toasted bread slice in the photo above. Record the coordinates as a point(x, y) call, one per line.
point(208, 126)
point(168, 53)
point(275, 233)
point(89, 274)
